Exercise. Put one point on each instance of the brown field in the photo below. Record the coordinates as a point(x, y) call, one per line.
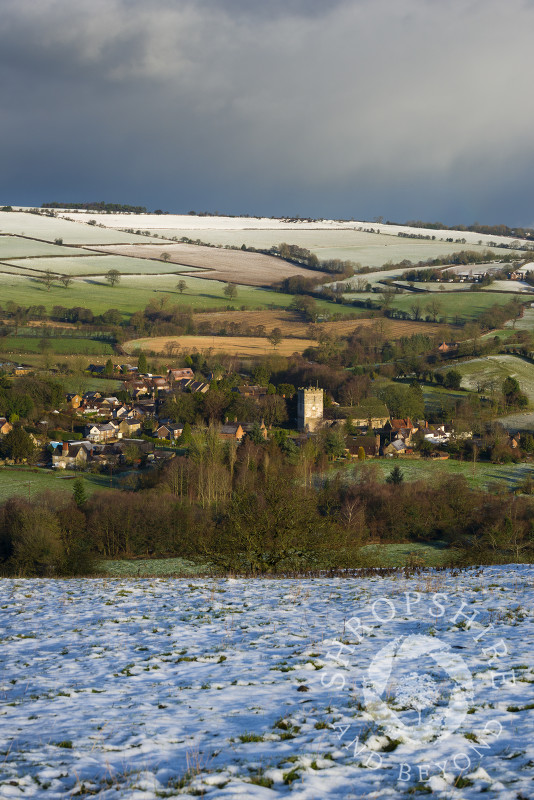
point(291, 325)
point(235, 345)
point(236, 266)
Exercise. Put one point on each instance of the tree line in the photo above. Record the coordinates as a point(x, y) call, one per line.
point(255, 509)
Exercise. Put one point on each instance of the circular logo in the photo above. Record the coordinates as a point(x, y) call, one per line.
point(418, 687)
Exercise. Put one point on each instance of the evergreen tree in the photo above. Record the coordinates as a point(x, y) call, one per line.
point(18, 445)
point(142, 365)
point(78, 492)
point(396, 476)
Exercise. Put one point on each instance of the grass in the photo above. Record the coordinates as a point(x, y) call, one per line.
point(491, 371)
point(95, 264)
point(86, 383)
point(482, 475)
point(436, 554)
point(135, 291)
point(60, 345)
point(526, 322)
point(438, 398)
point(455, 306)
point(30, 481)
point(147, 567)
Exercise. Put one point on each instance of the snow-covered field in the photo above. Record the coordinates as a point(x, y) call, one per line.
point(362, 687)
point(192, 222)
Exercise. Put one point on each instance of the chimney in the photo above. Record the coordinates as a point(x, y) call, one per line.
point(65, 449)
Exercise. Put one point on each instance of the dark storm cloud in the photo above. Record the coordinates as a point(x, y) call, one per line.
point(406, 108)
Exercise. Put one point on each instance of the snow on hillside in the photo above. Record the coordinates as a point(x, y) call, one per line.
point(344, 688)
point(193, 223)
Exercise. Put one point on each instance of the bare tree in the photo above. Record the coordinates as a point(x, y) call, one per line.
point(275, 337)
point(113, 277)
point(48, 279)
point(230, 291)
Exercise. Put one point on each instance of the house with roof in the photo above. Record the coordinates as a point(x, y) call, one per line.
point(5, 426)
point(102, 433)
point(177, 374)
point(74, 400)
point(248, 426)
point(448, 347)
point(71, 455)
point(170, 431)
point(396, 448)
point(254, 392)
point(198, 386)
point(369, 442)
point(232, 430)
point(127, 427)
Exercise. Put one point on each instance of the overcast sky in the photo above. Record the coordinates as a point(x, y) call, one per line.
point(406, 109)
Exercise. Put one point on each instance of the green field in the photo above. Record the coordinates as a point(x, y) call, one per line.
point(526, 322)
point(368, 249)
point(39, 226)
point(508, 477)
point(87, 383)
point(429, 286)
point(61, 345)
point(149, 567)
point(135, 291)
point(453, 306)
point(29, 482)
point(436, 554)
point(488, 373)
point(436, 398)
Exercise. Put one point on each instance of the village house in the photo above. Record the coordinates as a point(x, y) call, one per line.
point(74, 400)
point(448, 347)
point(144, 409)
point(198, 386)
point(121, 411)
point(177, 374)
point(255, 392)
point(232, 430)
point(71, 455)
point(396, 448)
point(373, 422)
point(170, 430)
point(107, 404)
point(248, 426)
point(136, 388)
point(102, 433)
point(5, 426)
point(370, 444)
point(129, 426)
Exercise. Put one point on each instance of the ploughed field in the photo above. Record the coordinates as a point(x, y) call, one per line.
point(223, 688)
point(250, 269)
point(237, 345)
point(291, 325)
